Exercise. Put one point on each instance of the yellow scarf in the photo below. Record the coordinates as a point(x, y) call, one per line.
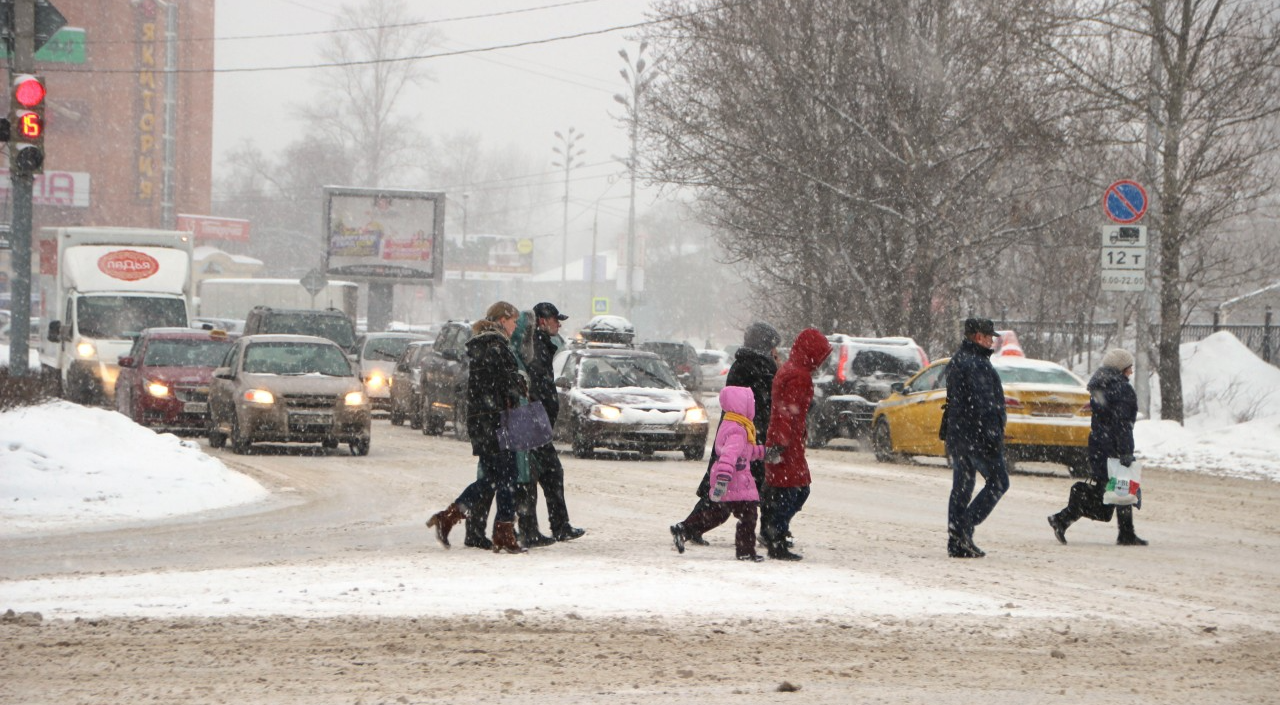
point(744, 422)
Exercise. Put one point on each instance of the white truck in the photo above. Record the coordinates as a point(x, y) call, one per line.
point(99, 287)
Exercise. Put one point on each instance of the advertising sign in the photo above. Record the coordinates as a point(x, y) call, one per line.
point(384, 235)
point(489, 257)
point(207, 228)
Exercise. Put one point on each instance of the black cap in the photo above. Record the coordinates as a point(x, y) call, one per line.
point(979, 325)
point(548, 310)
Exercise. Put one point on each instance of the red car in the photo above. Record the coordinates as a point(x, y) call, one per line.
point(164, 380)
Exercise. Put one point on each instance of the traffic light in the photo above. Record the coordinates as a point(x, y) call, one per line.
point(26, 124)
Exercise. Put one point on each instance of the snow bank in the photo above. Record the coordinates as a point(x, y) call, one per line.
point(1231, 404)
point(64, 465)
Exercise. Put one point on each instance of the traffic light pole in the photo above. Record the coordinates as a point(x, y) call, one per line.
point(23, 33)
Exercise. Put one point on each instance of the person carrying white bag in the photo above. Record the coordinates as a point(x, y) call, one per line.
point(1115, 410)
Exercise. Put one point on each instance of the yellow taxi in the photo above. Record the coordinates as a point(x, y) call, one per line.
point(1047, 410)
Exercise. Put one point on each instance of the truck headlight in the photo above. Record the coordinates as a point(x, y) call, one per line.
point(695, 414)
point(159, 390)
point(86, 350)
point(259, 396)
point(606, 412)
point(354, 399)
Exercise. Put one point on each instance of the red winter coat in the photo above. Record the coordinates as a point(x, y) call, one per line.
point(792, 393)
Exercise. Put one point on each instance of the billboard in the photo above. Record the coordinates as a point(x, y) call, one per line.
point(489, 257)
point(384, 235)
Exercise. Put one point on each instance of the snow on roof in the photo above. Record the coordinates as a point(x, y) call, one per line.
point(204, 252)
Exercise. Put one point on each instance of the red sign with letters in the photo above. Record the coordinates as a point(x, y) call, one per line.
point(129, 265)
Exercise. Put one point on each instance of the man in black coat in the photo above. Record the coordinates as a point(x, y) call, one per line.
point(542, 387)
point(754, 366)
point(973, 423)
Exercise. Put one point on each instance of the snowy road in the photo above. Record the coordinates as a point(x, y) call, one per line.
point(876, 610)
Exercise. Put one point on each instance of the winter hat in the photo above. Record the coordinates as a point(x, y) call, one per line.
point(761, 337)
point(1118, 359)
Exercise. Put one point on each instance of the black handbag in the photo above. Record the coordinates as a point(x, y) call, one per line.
point(524, 427)
point(1088, 497)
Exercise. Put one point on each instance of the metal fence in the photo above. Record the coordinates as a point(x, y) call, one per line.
point(1058, 340)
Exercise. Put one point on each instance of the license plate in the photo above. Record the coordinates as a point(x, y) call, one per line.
point(311, 419)
point(195, 407)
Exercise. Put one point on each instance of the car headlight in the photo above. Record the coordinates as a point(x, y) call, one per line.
point(606, 412)
point(354, 399)
point(695, 414)
point(375, 380)
point(86, 350)
point(259, 396)
point(159, 390)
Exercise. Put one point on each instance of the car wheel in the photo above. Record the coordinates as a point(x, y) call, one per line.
point(216, 438)
point(882, 443)
point(397, 416)
point(694, 452)
point(239, 443)
point(460, 418)
point(329, 443)
point(360, 446)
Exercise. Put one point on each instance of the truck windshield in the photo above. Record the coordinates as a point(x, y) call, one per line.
point(115, 317)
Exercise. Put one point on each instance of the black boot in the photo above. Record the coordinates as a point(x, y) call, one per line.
point(477, 520)
point(960, 545)
point(678, 537)
point(778, 551)
point(1124, 517)
point(1059, 523)
point(530, 537)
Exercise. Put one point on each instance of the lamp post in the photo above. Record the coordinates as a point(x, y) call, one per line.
point(638, 76)
point(568, 160)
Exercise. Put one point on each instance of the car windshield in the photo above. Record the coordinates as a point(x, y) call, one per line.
point(1037, 375)
point(127, 316)
point(185, 353)
point(385, 348)
point(869, 362)
point(598, 372)
point(710, 358)
point(335, 328)
point(288, 358)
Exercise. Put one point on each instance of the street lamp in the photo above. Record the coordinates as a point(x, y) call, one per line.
point(638, 76)
point(568, 160)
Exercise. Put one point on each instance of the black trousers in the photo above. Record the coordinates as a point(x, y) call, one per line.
point(717, 513)
point(545, 469)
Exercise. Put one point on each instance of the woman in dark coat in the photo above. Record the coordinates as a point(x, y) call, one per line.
point(494, 385)
point(1115, 409)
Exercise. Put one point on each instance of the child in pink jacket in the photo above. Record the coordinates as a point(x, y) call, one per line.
point(733, 489)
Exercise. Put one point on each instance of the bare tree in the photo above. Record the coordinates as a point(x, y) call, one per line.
point(1210, 99)
point(359, 106)
point(856, 154)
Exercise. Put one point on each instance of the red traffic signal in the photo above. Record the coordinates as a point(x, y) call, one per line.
point(26, 124)
point(28, 90)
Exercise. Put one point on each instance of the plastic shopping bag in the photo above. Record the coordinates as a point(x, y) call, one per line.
point(1122, 483)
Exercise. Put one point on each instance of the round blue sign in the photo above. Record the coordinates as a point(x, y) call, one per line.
point(1125, 202)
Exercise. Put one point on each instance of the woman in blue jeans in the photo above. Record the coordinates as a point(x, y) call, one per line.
point(494, 384)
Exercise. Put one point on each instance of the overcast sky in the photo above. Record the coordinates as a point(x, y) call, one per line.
point(509, 96)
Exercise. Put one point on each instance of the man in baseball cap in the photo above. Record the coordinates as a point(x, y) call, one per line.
point(542, 388)
point(546, 310)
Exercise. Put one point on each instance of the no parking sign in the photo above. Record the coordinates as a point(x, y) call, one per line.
point(1125, 202)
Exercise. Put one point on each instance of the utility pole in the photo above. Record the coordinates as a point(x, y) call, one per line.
point(638, 80)
point(23, 36)
point(569, 161)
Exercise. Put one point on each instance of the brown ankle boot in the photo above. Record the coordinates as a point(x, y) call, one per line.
point(504, 538)
point(444, 521)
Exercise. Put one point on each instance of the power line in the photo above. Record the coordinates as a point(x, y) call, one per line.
point(323, 32)
point(371, 62)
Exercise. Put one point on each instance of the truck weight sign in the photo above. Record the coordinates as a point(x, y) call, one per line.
point(1124, 258)
point(128, 265)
